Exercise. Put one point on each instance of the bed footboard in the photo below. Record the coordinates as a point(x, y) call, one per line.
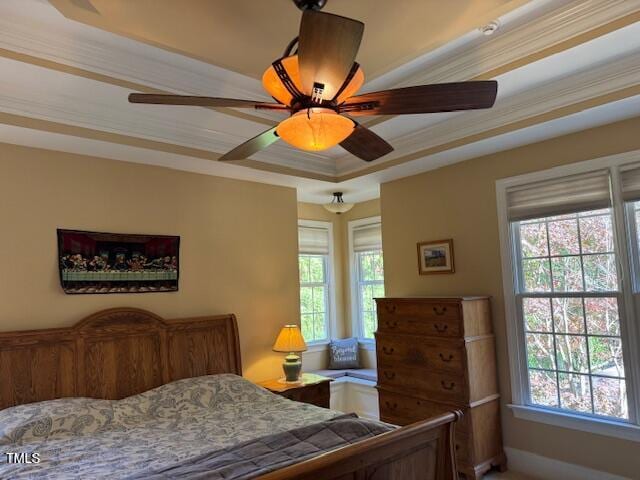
point(420, 451)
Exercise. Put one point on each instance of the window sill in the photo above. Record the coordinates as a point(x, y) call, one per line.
point(599, 426)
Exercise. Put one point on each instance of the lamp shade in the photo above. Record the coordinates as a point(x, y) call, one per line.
point(315, 129)
point(273, 82)
point(289, 340)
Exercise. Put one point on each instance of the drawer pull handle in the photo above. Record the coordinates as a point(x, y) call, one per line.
point(390, 308)
point(390, 375)
point(441, 328)
point(391, 406)
point(448, 359)
point(391, 324)
point(440, 311)
point(448, 386)
point(387, 351)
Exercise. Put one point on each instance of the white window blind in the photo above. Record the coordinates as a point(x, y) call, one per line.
point(313, 240)
point(630, 178)
point(570, 194)
point(367, 237)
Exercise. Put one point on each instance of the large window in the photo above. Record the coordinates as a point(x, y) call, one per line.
point(314, 263)
point(569, 242)
point(569, 301)
point(368, 274)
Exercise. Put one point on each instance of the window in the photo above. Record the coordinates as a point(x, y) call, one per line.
point(569, 301)
point(365, 240)
point(573, 333)
point(314, 264)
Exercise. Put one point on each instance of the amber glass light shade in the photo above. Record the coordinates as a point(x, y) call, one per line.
point(272, 83)
point(315, 129)
point(352, 87)
point(290, 340)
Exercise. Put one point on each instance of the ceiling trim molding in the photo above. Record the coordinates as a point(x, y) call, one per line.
point(155, 146)
point(45, 34)
point(144, 124)
point(554, 95)
point(468, 59)
point(80, 46)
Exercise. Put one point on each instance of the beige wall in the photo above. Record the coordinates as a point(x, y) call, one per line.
point(310, 211)
point(238, 243)
point(459, 202)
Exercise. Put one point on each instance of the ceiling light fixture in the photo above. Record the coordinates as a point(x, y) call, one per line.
point(337, 205)
point(316, 81)
point(315, 129)
point(490, 28)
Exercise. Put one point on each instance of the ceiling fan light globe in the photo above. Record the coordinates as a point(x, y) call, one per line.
point(315, 129)
point(273, 84)
point(352, 87)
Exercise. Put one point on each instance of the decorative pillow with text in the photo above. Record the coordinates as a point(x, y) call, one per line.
point(344, 354)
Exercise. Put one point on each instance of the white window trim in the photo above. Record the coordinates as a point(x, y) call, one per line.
point(332, 326)
point(630, 327)
point(356, 330)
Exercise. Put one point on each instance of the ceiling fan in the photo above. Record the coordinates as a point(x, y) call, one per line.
point(316, 85)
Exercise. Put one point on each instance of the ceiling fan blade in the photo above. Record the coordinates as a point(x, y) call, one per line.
point(157, 99)
point(441, 97)
point(327, 47)
point(248, 148)
point(365, 144)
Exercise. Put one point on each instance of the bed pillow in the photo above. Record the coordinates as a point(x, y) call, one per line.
point(344, 354)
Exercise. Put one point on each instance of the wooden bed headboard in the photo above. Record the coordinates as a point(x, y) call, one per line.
point(113, 354)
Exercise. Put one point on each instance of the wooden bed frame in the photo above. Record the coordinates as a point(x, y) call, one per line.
point(124, 351)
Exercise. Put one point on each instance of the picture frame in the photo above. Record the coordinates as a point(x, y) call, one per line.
point(105, 263)
point(436, 257)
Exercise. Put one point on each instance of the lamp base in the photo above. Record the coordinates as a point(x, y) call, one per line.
point(292, 366)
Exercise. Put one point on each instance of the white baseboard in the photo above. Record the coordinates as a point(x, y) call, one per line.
point(545, 468)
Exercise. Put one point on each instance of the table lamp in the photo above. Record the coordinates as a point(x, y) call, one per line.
point(291, 342)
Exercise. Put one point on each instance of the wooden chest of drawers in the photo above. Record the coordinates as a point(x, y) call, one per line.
point(435, 355)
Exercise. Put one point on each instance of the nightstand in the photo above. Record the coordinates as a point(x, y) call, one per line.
point(311, 388)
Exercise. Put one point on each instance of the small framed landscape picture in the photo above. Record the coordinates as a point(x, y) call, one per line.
point(435, 257)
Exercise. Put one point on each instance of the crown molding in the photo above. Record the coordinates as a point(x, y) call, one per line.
point(109, 115)
point(474, 54)
point(572, 89)
point(40, 31)
point(43, 33)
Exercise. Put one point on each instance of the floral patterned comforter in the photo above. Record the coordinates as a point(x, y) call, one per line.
point(153, 431)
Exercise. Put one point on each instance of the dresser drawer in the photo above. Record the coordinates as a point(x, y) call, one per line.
point(405, 350)
point(435, 319)
point(411, 409)
point(438, 386)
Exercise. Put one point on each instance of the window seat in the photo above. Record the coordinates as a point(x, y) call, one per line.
point(353, 390)
point(369, 374)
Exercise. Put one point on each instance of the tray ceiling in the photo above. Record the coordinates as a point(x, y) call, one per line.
point(245, 36)
point(561, 65)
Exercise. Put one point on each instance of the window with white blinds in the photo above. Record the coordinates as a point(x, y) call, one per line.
point(570, 238)
point(314, 265)
point(367, 269)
